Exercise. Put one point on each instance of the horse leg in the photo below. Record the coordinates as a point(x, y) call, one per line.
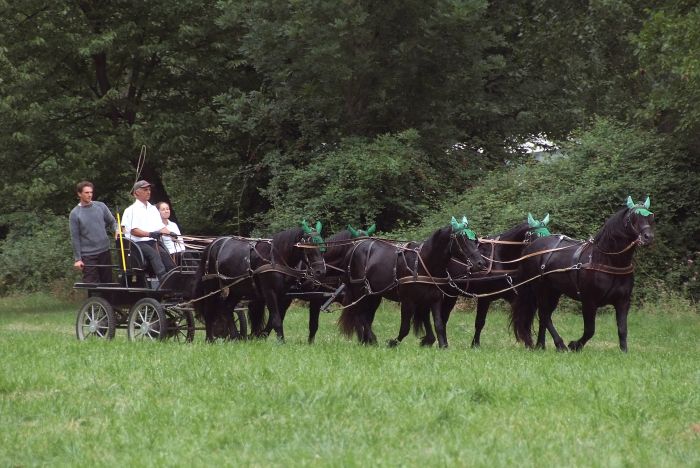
point(589, 313)
point(274, 322)
point(407, 311)
point(429, 337)
point(440, 328)
point(368, 314)
point(558, 340)
point(621, 310)
point(482, 307)
point(314, 312)
point(546, 304)
point(256, 313)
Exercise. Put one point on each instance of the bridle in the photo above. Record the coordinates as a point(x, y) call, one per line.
point(467, 257)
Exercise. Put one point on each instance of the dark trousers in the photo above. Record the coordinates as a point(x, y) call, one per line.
point(98, 268)
point(157, 257)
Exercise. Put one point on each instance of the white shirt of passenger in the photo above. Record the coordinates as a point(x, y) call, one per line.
point(173, 245)
point(141, 216)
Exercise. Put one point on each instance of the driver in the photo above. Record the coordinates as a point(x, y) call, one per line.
point(142, 224)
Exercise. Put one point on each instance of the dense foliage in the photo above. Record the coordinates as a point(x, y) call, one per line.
point(257, 113)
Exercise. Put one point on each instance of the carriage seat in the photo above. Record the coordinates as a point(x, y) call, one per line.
point(139, 273)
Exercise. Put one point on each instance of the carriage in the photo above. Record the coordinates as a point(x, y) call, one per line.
point(138, 302)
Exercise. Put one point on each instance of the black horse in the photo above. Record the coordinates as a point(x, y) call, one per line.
point(501, 253)
point(319, 291)
point(413, 274)
point(596, 272)
point(261, 270)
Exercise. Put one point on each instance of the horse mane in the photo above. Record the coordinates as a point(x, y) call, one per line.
point(333, 250)
point(283, 244)
point(432, 243)
point(613, 231)
point(512, 233)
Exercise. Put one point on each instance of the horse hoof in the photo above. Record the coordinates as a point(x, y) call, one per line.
point(392, 343)
point(540, 346)
point(427, 342)
point(561, 348)
point(575, 346)
point(476, 345)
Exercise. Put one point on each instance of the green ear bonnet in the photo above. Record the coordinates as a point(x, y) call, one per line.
point(315, 234)
point(539, 228)
point(640, 209)
point(368, 233)
point(461, 228)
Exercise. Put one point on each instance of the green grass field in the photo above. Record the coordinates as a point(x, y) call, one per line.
point(65, 402)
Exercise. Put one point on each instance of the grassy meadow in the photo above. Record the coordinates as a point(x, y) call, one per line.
point(259, 403)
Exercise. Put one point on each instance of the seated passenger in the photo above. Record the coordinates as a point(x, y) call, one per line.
point(173, 243)
point(142, 224)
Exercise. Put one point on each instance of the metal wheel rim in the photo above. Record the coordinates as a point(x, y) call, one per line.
point(146, 324)
point(179, 325)
point(94, 322)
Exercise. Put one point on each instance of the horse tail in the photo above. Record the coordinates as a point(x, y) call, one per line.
point(522, 313)
point(420, 316)
point(349, 321)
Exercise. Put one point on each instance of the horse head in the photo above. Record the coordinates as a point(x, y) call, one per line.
point(313, 249)
point(640, 221)
point(537, 228)
point(360, 233)
point(467, 245)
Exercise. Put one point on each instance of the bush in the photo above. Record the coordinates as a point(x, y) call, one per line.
point(599, 168)
point(36, 252)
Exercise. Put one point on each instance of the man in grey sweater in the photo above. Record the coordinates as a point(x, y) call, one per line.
point(89, 222)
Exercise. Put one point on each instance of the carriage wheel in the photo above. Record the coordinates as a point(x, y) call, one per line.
point(147, 321)
point(180, 324)
point(240, 323)
point(95, 320)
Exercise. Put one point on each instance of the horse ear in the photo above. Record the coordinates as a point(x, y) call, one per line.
point(305, 227)
point(630, 203)
point(465, 221)
point(319, 226)
point(353, 232)
point(531, 221)
point(545, 221)
point(371, 230)
point(647, 203)
point(453, 223)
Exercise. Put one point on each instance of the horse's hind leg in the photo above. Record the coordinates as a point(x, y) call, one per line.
point(546, 303)
point(589, 313)
point(429, 337)
point(256, 313)
point(368, 334)
point(407, 311)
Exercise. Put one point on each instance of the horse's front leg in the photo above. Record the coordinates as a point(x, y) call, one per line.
point(482, 308)
point(440, 328)
point(314, 312)
point(589, 313)
point(275, 320)
point(621, 310)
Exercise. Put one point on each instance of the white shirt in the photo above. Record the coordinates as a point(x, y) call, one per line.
point(141, 216)
point(173, 245)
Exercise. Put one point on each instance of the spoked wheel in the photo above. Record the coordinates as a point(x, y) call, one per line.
point(95, 320)
point(240, 323)
point(147, 321)
point(180, 324)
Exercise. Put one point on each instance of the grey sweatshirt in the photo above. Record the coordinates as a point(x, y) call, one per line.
point(88, 229)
